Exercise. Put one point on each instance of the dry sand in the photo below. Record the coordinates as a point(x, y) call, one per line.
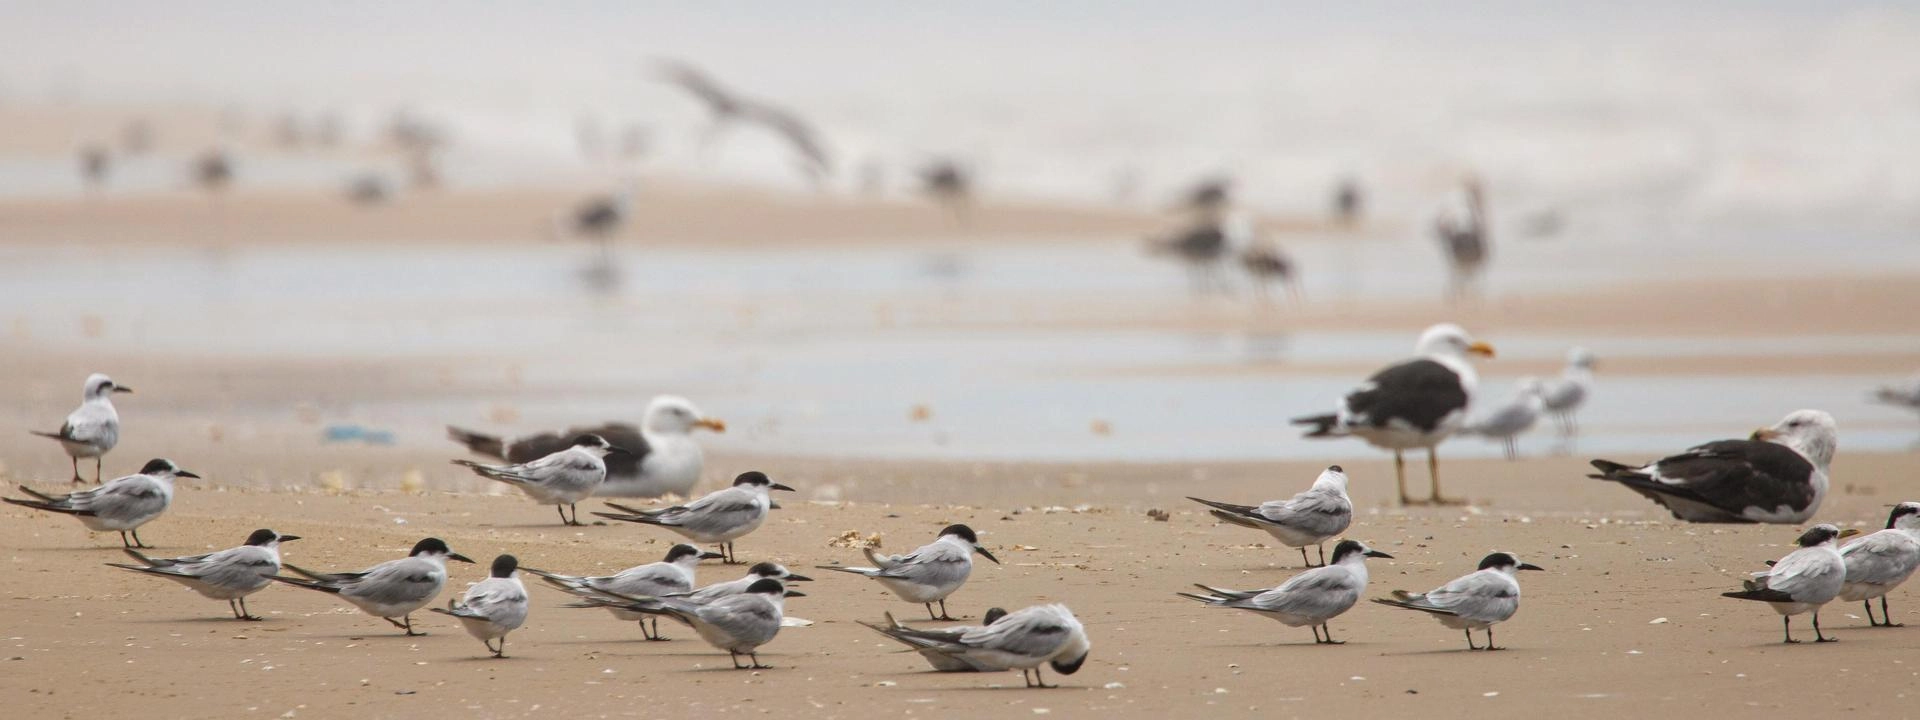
point(89, 641)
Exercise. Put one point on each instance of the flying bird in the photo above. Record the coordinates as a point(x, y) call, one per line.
point(662, 457)
point(1475, 601)
point(1417, 403)
point(1311, 517)
point(1804, 580)
point(1310, 598)
point(92, 429)
point(726, 107)
point(929, 574)
point(561, 479)
point(1778, 475)
point(122, 505)
point(229, 575)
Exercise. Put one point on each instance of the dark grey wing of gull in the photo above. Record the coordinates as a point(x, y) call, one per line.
point(1726, 475)
point(1419, 393)
point(797, 133)
point(721, 102)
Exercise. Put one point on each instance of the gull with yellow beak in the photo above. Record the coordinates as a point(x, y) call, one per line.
point(1414, 404)
point(1777, 475)
point(661, 459)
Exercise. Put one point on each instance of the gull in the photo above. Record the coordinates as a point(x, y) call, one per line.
point(1022, 640)
point(669, 576)
point(1778, 475)
point(395, 588)
point(1312, 517)
point(1475, 601)
point(1878, 563)
point(727, 107)
point(928, 574)
point(663, 459)
point(1508, 422)
point(93, 428)
point(229, 575)
point(1417, 403)
point(122, 505)
point(1804, 580)
point(1310, 598)
point(492, 607)
point(738, 624)
point(1564, 396)
point(719, 518)
point(926, 641)
point(562, 478)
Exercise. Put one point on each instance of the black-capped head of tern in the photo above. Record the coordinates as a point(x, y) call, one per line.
point(773, 570)
point(435, 546)
point(1506, 563)
point(965, 534)
point(164, 468)
point(264, 537)
point(683, 552)
point(755, 478)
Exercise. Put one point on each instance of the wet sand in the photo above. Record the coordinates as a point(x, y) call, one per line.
point(1590, 640)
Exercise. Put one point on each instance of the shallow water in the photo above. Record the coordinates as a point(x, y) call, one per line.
point(818, 352)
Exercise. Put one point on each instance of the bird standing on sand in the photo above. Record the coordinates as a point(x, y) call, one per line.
point(1564, 396)
point(1265, 264)
point(1475, 601)
point(1417, 403)
point(661, 459)
point(392, 589)
point(92, 429)
point(1508, 422)
point(949, 184)
point(213, 171)
point(563, 478)
point(1310, 598)
point(929, 574)
point(1778, 475)
point(600, 218)
point(229, 575)
point(122, 505)
point(738, 624)
point(1804, 580)
point(671, 576)
point(1464, 237)
point(719, 518)
point(1878, 563)
point(1312, 517)
point(1022, 640)
point(1348, 203)
point(926, 641)
point(492, 607)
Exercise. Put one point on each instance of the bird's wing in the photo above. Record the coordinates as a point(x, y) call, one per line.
point(1320, 592)
point(395, 582)
point(1420, 393)
point(126, 497)
point(1883, 557)
point(1731, 475)
point(1033, 632)
point(930, 565)
point(90, 423)
point(740, 615)
point(1803, 569)
point(1322, 512)
point(491, 599)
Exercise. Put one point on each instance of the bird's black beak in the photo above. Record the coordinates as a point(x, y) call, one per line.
point(1529, 566)
point(983, 553)
point(186, 474)
point(797, 578)
point(289, 538)
point(795, 593)
point(617, 450)
point(461, 558)
point(710, 555)
point(1378, 554)
point(123, 389)
point(778, 486)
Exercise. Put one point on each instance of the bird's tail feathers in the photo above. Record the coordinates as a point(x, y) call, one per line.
point(1760, 594)
point(1322, 425)
point(479, 443)
point(308, 584)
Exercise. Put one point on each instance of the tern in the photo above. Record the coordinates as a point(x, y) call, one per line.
point(492, 607)
point(562, 478)
point(1804, 580)
point(1312, 517)
point(1418, 403)
point(122, 505)
point(927, 641)
point(1310, 598)
point(738, 624)
point(229, 575)
point(392, 589)
point(1475, 601)
point(1022, 640)
point(719, 518)
point(93, 428)
point(928, 574)
point(669, 576)
point(1878, 563)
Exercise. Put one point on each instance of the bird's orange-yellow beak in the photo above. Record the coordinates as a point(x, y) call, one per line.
point(1849, 532)
point(1764, 434)
point(1481, 349)
point(713, 424)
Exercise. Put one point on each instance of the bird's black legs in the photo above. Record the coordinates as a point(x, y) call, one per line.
point(136, 540)
point(1307, 561)
point(563, 514)
point(930, 615)
point(1489, 638)
point(1400, 476)
point(1817, 637)
point(1323, 628)
point(726, 554)
point(1036, 682)
point(497, 652)
point(1470, 645)
point(97, 477)
point(407, 626)
point(943, 610)
point(1868, 604)
point(755, 665)
point(655, 635)
point(240, 612)
point(1323, 553)
point(1512, 448)
point(123, 539)
point(1886, 618)
point(1786, 621)
point(76, 472)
